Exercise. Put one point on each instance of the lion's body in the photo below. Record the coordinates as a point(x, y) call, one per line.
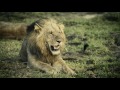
point(12, 30)
point(43, 46)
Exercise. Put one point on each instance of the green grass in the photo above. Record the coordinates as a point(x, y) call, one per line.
point(101, 59)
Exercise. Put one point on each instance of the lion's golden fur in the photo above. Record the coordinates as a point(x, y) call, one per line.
point(43, 46)
point(10, 30)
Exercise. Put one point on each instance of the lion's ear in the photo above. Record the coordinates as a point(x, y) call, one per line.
point(61, 26)
point(37, 28)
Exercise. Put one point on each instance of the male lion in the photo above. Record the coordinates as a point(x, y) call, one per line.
point(43, 45)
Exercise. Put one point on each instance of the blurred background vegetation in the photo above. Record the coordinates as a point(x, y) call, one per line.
point(20, 16)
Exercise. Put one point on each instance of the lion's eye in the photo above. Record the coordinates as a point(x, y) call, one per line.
point(51, 32)
point(60, 32)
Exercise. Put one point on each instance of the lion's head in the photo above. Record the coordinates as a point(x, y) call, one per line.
point(50, 37)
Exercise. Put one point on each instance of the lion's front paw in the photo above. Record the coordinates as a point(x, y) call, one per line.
point(52, 71)
point(71, 72)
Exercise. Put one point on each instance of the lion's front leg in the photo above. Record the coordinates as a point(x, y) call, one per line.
point(39, 64)
point(60, 65)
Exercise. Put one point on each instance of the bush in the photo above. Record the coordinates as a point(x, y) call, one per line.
point(112, 16)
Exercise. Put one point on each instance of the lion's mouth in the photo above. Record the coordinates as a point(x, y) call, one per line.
point(55, 49)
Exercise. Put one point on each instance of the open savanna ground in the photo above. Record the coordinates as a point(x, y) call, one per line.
point(99, 32)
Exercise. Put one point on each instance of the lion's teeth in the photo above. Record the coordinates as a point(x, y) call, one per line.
point(54, 48)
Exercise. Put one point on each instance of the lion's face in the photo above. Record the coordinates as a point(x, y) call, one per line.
point(54, 37)
point(55, 41)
